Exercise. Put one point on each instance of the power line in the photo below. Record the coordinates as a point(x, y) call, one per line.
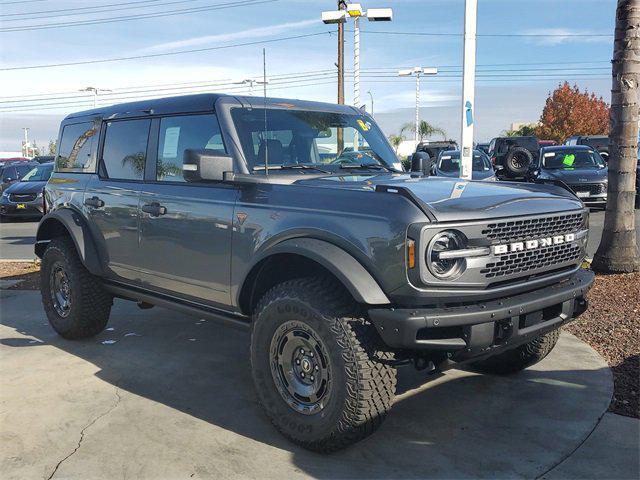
point(66, 12)
point(453, 34)
point(367, 73)
point(21, 1)
point(155, 55)
point(89, 101)
point(77, 8)
point(125, 18)
point(288, 74)
point(231, 87)
point(169, 87)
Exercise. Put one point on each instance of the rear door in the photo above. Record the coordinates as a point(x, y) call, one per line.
point(186, 227)
point(112, 196)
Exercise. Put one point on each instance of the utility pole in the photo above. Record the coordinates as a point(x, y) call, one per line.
point(468, 88)
point(342, 5)
point(418, 71)
point(25, 143)
point(95, 93)
point(251, 82)
point(355, 11)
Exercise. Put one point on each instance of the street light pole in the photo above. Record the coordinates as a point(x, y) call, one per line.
point(371, 95)
point(418, 72)
point(251, 82)
point(95, 93)
point(468, 87)
point(355, 11)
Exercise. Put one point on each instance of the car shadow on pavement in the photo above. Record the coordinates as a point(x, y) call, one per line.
point(456, 424)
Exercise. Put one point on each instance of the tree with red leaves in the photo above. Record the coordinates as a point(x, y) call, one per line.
point(571, 112)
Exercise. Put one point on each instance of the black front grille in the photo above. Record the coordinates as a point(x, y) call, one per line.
point(532, 228)
point(522, 262)
point(591, 188)
point(23, 197)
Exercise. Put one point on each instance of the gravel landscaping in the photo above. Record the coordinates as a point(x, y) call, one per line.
point(27, 274)
point(611, 326)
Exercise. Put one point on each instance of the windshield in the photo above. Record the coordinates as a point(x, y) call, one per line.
point(450, 162)
point(40, 173)
point(295, 138)
point(572, 159)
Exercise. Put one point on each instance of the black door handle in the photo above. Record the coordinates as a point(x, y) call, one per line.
point(154, 209)
point(94, 202)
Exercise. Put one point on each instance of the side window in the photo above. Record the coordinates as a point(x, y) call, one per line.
point(9, 173)
point(75, 153)
point(179, 133)
point(125, 149)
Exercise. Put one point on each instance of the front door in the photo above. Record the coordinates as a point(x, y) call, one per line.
point(112, 196)
point(186, 227)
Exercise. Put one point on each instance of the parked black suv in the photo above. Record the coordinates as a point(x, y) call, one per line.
point(600, 143)
point(295, 218)
point(435, 148)
point(513, 157)
point(579, 167)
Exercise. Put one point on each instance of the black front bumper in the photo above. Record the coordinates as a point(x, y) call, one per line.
point(31, 209)
point(481, 328)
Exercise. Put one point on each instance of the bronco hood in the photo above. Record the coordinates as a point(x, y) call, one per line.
point(446, 199)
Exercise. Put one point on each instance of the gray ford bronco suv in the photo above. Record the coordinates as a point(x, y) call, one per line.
point(295, 219)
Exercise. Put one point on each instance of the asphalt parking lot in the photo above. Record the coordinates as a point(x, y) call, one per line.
point(163, 395)
point(17, 237)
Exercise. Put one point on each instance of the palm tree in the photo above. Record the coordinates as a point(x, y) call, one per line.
point(618, 250)
point(425, 130)
point(396, 140)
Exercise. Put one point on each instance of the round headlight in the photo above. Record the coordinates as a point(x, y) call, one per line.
point(446, 241)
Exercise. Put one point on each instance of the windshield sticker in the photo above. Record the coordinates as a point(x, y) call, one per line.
point(364, 126)
point(569, 159)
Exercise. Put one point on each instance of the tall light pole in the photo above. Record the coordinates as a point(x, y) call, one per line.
point(95, 93)
point(371, 95)
point(355, 11)
point(418, 71)
point(251, 82)
point(468, 88)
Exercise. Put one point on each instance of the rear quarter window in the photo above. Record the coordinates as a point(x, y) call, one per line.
point(76, 153)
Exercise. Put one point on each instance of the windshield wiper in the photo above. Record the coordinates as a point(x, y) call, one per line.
point(366, 165)
point(291, 167)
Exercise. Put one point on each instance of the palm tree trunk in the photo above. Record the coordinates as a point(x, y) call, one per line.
point(618, 250)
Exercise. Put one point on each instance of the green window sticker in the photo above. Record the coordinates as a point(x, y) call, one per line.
point(569, 159)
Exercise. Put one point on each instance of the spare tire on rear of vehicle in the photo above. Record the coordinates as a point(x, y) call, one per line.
point(518, 161)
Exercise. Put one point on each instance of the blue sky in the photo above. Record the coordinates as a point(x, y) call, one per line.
point(507, 91)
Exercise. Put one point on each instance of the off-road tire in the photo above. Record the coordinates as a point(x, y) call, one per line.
point(519, 358)
point(363, 381)
point(518, 161)
point(90, 303)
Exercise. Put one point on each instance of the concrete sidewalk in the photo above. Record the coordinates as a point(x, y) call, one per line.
point(163, 395)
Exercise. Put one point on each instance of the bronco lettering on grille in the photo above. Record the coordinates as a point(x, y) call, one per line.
point(533, 244)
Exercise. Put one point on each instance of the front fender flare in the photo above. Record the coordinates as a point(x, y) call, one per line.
point(77, 229)
point(358, 281)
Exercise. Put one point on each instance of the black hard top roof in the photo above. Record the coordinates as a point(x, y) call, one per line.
point(567, 147)
point(204, 102)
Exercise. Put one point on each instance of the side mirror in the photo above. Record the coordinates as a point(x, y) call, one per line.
point(205, 164)
point(421, 163)
point(8, 180)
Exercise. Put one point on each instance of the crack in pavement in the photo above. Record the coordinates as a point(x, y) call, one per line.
point(82, 432)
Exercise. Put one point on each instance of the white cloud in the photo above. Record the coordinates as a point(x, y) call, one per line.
point(557, 36)
point(258, 32)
